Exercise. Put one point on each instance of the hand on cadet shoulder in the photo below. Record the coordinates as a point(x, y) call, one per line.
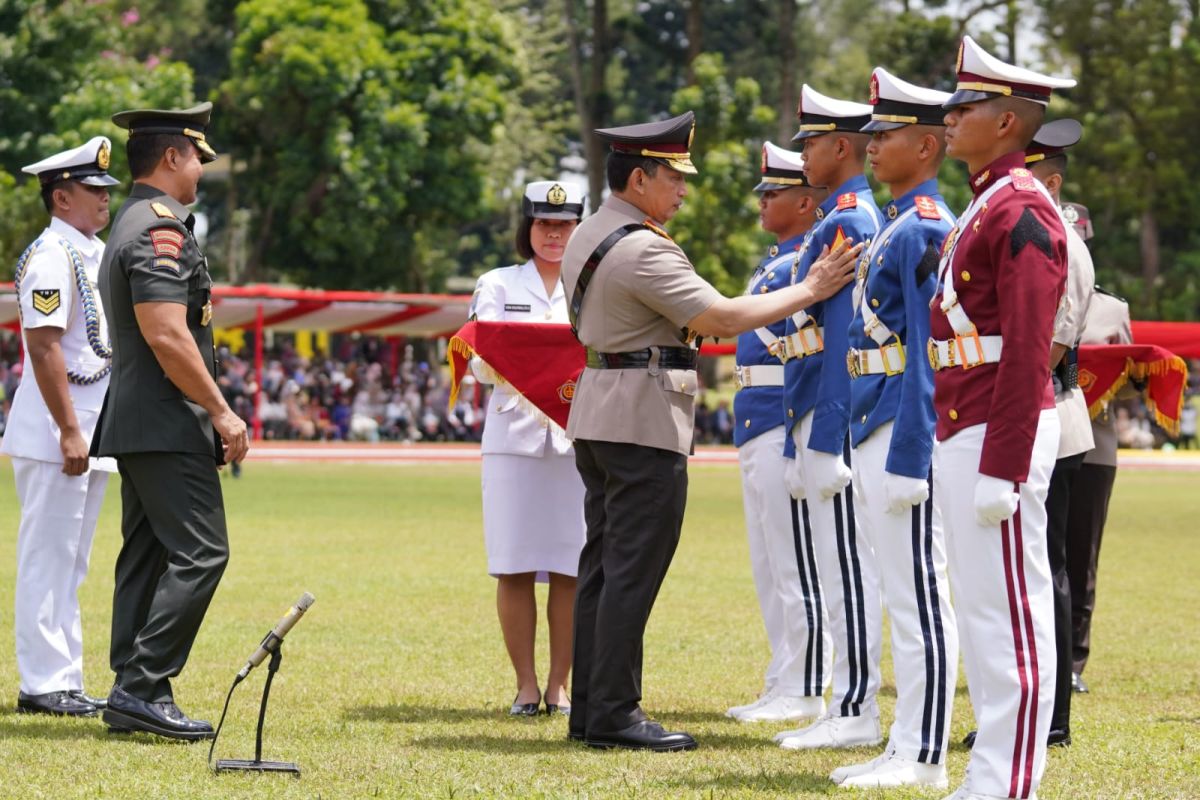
point(232, 430)
point(995, 500)
point(901, 492)
point(74, 452)
point(832, 270)
point(830, 473)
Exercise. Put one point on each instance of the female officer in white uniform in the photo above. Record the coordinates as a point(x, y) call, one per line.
point(532, 494)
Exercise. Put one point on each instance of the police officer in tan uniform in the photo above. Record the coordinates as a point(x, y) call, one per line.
point(637, 304)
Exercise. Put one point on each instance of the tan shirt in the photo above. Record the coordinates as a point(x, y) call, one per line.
point(641, 295)
point(1076, 436)
point(1107, 323)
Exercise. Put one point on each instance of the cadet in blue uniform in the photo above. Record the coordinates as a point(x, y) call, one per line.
point(817, 409)
point(781, 554)
point(891, 428)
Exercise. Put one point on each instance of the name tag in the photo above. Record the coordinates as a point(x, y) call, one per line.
point(517, 307)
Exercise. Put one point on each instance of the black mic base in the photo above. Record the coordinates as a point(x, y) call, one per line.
point(241, 765)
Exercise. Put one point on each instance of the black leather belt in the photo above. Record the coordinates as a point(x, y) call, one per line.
point(1066, 374)
point(661, 357)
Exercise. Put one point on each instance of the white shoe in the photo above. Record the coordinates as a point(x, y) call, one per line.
point(737, 711)
point(895, 771)
point(860, 731)
point(840, 774)
point(781, 708)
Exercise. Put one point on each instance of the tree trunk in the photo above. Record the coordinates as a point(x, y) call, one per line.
point(591, 95)
point(1149, 248)
point(1010, 28)
point(695, 36)
point(787, 74)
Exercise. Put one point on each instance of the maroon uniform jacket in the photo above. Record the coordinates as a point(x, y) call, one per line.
point(1009, 268)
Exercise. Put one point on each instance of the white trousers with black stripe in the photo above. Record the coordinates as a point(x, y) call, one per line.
point(58, 520)
point(785, 572)
point(849, 586)
point(1004, 600)
point(910, 552)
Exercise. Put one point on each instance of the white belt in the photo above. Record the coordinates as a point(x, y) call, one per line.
point(964, 351)
point(887, 360)
point(805, 342)
point(760, 375)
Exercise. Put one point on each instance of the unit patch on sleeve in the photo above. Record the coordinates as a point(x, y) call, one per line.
point(46, 301)
point(167, 242)
point(165, 263)
point(847, 200)
point(1029, 230)
point(926, 208)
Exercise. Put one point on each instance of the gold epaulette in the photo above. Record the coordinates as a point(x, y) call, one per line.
point(162, 211)
point(657, 229)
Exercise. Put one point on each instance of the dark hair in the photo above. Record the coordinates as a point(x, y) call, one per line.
point(144, 152)
point(1057, 164)
point(523, 242)
point(48, 195)
point(621, 165)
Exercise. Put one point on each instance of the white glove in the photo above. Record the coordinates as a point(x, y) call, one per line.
point(901, 492)
point(830, 473)
point(793, 476)
point(995, 500)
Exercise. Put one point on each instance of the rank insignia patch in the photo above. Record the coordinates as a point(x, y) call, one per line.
point(169, 264)
point(162, 211)
point(46, 301)
point(926, 208)
point(1023, 180)
point(167, 242)
point(847, 200)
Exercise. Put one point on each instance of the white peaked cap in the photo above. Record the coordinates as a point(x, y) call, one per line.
point(896, 103)
point(781, 169)
point(820, 114)
point(87, 163)
point(553, 200)
point(982, 76)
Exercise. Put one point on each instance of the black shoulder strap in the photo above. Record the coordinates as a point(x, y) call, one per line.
point(589, 267)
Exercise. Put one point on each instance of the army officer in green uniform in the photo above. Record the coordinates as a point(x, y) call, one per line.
point(165, 421)
point(637, 305)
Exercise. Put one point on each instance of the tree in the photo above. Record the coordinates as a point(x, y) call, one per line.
point(717, 226)
point(360, 133)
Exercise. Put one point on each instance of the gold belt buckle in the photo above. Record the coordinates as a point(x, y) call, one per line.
point(894, 347)
point(811, 325)
point(206, 314)
point(738, 381)
point(932, 353)
point(853, 366)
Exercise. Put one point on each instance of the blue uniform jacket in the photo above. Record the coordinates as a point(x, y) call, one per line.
point(758, 409)
point(900, 282)
point(820, 382)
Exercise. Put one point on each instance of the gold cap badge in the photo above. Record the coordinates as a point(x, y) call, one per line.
point(557, 195)
point(102, 157)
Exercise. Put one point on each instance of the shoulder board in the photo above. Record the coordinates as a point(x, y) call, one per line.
point(1101, 290)
point(847, 200)
point(162, 211)
point(651, 226)
point(1023, 180)
point(927, 208)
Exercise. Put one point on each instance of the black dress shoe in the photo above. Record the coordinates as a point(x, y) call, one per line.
point(1059, 737)
point(59, 704)
point(1077, 684)
point(525, 709)
point(969, 739)
point(127, 713)
point(575, 736)
point(83, 697)
point(644, 735)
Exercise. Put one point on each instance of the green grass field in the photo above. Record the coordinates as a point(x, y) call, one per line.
point(396, 684)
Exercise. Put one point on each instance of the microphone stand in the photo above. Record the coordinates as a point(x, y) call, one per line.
point(257, 765)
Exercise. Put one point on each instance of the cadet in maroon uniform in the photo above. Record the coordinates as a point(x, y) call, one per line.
point(1000, 281)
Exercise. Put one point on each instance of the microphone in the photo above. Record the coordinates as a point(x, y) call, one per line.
point(274, 637)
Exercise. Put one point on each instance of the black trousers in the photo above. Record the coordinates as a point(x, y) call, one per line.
point(1090, 493)
point(1058, 501)
point(173, 555)
point(633, 506)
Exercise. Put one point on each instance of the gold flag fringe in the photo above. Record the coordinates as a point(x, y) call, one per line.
point(1139, 370)
point(460, 346)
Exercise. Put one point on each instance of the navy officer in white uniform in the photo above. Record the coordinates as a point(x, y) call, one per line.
point(892, 428)
point(781, 552)
point(532, 494)
point(67, 362)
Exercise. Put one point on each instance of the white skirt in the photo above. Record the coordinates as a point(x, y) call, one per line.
point(532, 514)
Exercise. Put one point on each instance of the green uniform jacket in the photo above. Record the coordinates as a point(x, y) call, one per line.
point(152, 256)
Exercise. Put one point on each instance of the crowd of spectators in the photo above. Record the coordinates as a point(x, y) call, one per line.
point(371, 389)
